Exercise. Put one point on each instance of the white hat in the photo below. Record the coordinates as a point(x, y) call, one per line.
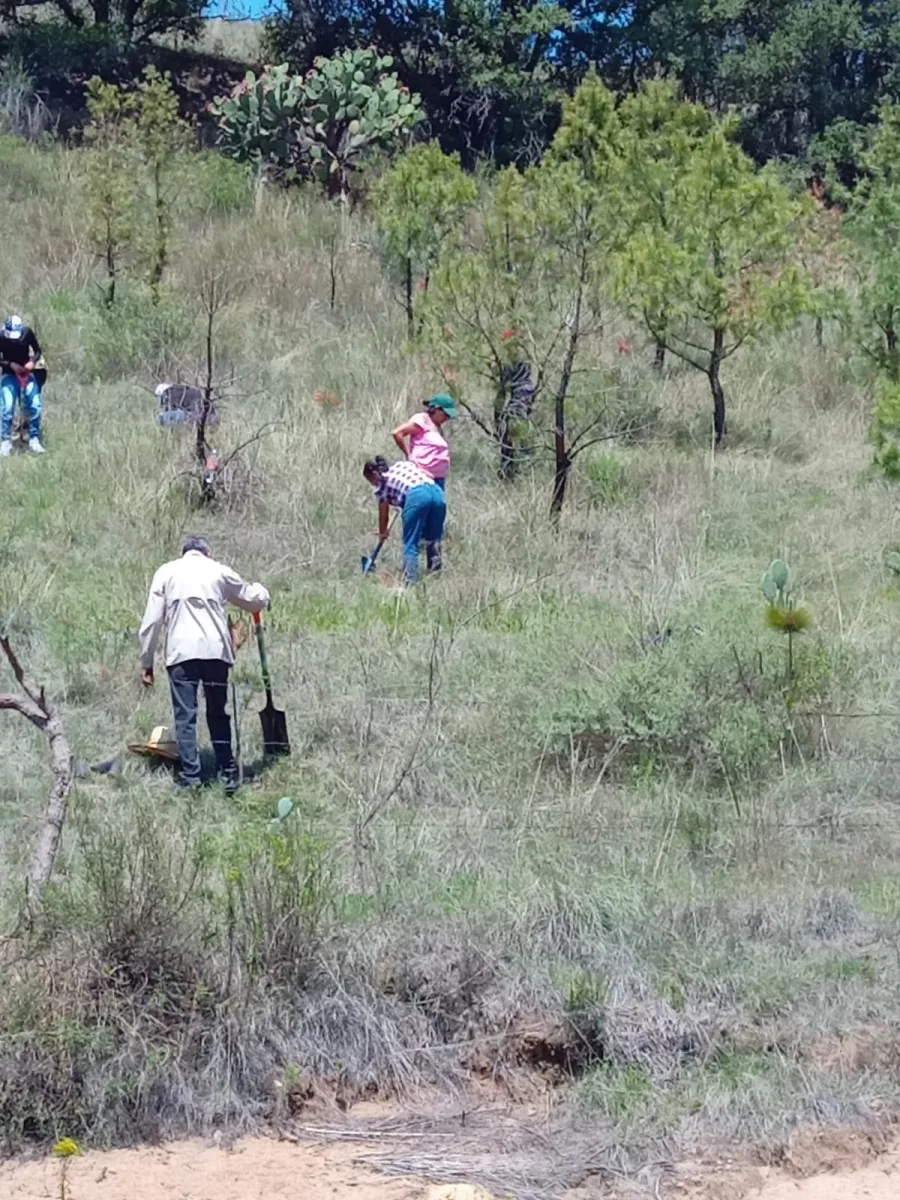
point(161, 389)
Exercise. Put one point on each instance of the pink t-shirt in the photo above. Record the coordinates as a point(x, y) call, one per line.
point(428, 447)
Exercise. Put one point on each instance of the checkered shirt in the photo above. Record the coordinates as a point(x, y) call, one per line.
point(399, 481)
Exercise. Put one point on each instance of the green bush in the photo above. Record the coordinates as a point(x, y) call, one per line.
point(885, 433)
point(136, 336)
point(696, 703)
point(279, 896)
point(25, 173)
point(59, 50)
point(215, 185)
point(610, 484)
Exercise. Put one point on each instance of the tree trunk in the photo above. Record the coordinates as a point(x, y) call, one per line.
point(201, 447)
point(659, 355)
point(410, 314)
point(820, 332)
point(332, 270)
point(560, 444)
point(110, 267)
point(715, 384)
point(55, 813)
point(893, 359)
point(560, 448)
point(160, 247)
point(504, 442)
point(560, 482)
point(35, 707)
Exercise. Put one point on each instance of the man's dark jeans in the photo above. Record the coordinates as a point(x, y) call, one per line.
point(185, 679)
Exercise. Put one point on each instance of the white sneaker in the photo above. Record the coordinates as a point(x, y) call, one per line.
point(5, 449)
point(35, 446)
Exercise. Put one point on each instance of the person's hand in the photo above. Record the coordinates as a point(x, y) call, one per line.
point(147, 676)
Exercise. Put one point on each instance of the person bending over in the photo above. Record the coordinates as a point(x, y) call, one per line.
point(411, 490)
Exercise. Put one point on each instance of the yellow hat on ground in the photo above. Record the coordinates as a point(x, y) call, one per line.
point(160, 744)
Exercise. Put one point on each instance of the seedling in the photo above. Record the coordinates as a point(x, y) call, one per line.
point(282, 812)
point(783, 612)
point(64, 1149)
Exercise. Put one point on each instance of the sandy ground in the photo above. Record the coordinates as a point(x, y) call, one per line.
point(264, 1169)
point(880, 1181)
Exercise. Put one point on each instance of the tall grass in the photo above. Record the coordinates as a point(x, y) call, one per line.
point(530, 834)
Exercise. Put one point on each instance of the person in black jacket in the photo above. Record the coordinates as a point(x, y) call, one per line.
point(19, 351)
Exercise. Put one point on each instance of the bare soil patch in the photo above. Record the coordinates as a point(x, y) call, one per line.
point(837, 1164)
point(256, 1168)
point(833, 1164)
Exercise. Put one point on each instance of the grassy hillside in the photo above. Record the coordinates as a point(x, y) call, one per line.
point(529, 842)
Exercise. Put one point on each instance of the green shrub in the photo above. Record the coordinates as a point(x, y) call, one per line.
point(610, 484)
point(26, 174)
point(695, 703)
point(279, 895)
point(56, 50)
point(136, 336)
point(885, 432)
point(217, 185)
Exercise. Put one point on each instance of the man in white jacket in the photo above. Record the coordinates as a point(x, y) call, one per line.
point(188, 599)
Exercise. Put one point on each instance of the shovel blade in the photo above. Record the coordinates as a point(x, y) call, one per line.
point(274, 731)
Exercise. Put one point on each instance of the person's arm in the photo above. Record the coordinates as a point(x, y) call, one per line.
point(151, 626)
point(251, 597)
point(384, 516)
point(402, 432)
point(35, 350)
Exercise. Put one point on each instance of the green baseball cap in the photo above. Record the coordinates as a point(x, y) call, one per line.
point(446, 403)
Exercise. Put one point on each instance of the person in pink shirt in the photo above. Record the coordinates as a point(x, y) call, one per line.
point(422, 441)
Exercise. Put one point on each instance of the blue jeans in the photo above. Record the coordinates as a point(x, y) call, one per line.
point(423, 521)
point(28, 396)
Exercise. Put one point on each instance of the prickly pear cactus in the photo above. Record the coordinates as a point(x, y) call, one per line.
point(321, 123)
point(353, 102)
point(259, 121)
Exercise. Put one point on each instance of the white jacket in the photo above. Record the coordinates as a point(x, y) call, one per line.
point(188, 598)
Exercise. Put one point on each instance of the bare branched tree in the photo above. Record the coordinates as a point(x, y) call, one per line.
point(33, 704)
point(216, 292)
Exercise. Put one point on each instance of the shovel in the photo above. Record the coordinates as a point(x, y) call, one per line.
point(274, 722)
point(367, 562)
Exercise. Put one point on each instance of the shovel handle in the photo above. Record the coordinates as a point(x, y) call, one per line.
point(373, 557)
point(263, 657)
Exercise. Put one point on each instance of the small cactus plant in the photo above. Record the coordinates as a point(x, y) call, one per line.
point(783, 612)
point(319, 124)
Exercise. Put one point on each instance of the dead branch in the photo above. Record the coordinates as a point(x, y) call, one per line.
point(35, 707)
